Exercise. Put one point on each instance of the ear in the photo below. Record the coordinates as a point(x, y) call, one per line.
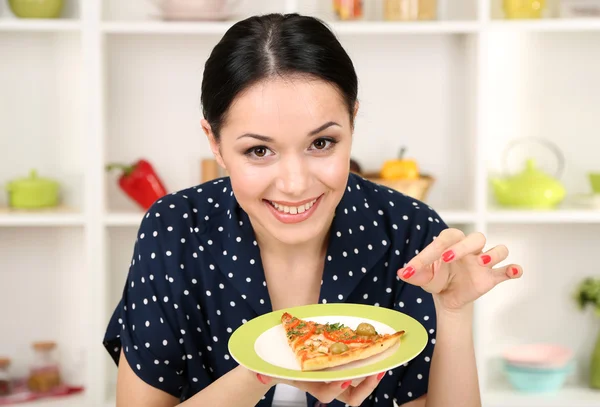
point(214, 144)
point(356, 104)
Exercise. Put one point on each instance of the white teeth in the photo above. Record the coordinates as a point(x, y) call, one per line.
point(293, 209)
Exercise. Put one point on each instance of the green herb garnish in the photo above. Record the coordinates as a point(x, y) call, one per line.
point(334, 327)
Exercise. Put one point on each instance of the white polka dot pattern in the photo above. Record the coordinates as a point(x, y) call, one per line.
point(196, 276)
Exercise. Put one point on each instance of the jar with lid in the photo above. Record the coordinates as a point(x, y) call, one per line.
point(410, 10)
point(5, 379)
point(45, 371)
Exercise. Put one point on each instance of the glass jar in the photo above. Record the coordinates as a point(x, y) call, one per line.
point(45, 371)
point(348, 9)
point(409, 10)
point(5, 380)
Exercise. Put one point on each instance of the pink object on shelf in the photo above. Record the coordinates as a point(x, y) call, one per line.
point(196, 9)
point(22, 394)
point(539, 355)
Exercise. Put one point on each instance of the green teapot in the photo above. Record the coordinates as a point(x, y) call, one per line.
point(532, 188)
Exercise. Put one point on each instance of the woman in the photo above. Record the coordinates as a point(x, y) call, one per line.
point(290, 226)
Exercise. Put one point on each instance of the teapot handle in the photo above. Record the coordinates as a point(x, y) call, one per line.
point(546, 143)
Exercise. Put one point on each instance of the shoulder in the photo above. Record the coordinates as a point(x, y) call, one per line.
point(396, 210)
point(192, 206)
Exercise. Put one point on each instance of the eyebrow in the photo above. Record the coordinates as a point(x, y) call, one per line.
point(267, 139)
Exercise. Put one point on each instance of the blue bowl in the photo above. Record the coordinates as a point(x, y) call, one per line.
point(537, 380)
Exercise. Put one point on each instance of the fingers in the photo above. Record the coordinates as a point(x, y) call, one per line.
point(493, 256)
point(354, 396)
point(418, 270)
point(505, 273)
point(474, 243)
point(324, 392)
point(327, 392)
point(440, 245)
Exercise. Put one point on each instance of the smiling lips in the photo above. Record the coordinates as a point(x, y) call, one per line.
point(288, 212)
point(293, 209)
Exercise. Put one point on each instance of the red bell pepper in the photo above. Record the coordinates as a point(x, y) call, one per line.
point(140, 182)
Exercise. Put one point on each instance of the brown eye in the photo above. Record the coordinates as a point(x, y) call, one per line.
point(320, 144)
point(260, 151)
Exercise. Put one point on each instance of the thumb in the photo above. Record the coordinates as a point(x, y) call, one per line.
point(416, 274)
point(266, 380)
point(505, 273)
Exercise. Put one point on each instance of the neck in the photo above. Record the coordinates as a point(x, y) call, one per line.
point(291, 254)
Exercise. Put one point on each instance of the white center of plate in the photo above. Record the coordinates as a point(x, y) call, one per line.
point(272, 346)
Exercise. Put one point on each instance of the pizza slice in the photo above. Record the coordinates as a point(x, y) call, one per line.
point(320, 346)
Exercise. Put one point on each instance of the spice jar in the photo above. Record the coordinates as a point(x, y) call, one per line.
point(5, 380)
point(523, 9)
point(45, 372)
point(409, 10)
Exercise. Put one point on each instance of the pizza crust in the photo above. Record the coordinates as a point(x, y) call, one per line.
point(351, 355)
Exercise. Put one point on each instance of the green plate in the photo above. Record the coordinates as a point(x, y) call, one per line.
point(261, 346)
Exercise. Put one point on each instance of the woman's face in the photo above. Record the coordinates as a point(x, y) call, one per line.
point(286, 145)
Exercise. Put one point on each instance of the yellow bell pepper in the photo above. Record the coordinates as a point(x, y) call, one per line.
point(400, 168)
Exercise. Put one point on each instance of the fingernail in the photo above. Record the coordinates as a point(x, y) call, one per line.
point(447, 256)
point(486, 258)
point(408, 272)
point(380, 375)
point(262, 378)
point(346, 384)
point(515, 271)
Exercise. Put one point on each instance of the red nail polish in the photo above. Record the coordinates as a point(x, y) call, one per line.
point(447, 256)
point(261, 379)
point(346, 384)
point(515, 271)
point(380, 375)
point(408, 272)
point(486, 258)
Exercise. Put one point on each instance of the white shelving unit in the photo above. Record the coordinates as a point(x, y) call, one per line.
point(111, 82)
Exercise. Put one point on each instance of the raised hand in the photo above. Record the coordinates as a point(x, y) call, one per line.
point(456, 271)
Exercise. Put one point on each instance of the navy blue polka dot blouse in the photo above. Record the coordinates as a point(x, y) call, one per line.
point(196, 276)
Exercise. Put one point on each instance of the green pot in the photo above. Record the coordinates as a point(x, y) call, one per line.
point(36, 8)
point(33, 192)
point(595, 366)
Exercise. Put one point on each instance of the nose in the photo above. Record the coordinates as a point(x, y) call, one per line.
point(293, 178)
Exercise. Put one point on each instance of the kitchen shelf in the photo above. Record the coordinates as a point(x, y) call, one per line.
point(365, 28)
point(78, 400)
point(545, 25)
point(219, 28)
point(457, 216)
point(110, 83)
point(62, 216)
point(566, 397)
point(567, 216)
point(134, 218)
point(124, 219)
point(40, 25)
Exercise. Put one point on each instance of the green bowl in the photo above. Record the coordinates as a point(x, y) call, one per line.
point(595, 181)
point(36, 8)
